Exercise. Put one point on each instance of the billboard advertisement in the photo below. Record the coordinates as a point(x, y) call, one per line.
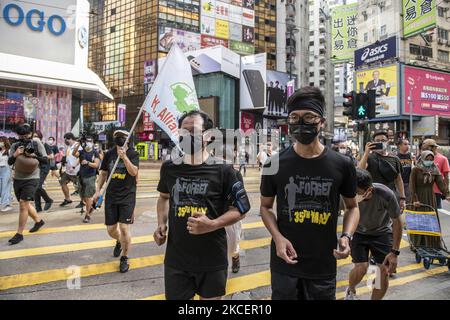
point(344, 32)
point(186, 40)
point(418, 16)
point(276, 93)
point(377, 52)
point(212, 59)
point(222, 10)
point(222, 29)
point(242, 47)
point(248, 17)
point(236, 14)
point(248, 34)
point(247, 121)
point(149, 74)
point(384, 81)
point(427, 91)
point(253, 81)
point(208, 26)
point(235, 31)
point(208, 8)
point(208, 41)
point(249, 4)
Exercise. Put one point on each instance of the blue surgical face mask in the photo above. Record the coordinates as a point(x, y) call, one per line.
point(428, 163)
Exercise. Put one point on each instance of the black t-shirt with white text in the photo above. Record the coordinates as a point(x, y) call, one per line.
point(201, 188)
point(122, 186)
point(307, 193)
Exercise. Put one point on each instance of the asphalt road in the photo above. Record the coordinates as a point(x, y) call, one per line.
point(45, 264)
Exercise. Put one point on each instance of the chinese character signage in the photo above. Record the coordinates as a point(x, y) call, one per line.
point(418, 16)
point(344, 32)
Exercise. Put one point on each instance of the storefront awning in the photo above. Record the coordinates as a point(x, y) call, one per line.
point(84, 83)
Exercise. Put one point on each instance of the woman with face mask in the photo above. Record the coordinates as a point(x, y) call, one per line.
point(423, 176)
point(5, 176)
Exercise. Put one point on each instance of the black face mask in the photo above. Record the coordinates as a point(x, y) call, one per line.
point(304, 133)
point(120, 141)
point(196, 143)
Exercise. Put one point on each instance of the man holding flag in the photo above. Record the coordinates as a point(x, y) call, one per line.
point(120, 194)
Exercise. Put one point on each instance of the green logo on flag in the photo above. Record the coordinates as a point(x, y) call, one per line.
point(185, 97)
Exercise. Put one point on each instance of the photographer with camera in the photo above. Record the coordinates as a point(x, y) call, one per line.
point(72, 166)
point(44, 171)
point(90, 162)
point(26, 155)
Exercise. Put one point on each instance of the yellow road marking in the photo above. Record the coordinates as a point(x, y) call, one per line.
point(40, 277)
point(401, 281)
point(85, 227)
point(262, 279)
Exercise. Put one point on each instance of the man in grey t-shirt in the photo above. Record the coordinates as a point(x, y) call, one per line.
point(379, 232)
point(26, 155)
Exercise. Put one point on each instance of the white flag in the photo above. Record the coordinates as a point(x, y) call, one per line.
point(172, 94)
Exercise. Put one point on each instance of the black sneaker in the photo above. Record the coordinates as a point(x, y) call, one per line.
point(37, 226)
point(117, 249)
point(236, 264)
point(65, 203)
point(16, 239)
point(80, 205)
point(124, 266)
point(48, 205)
point(38, 209)
point(75, 193)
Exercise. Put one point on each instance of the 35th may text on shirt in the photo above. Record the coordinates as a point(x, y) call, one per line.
point(243, 309)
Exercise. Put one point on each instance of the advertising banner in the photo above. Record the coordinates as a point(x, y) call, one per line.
point(253, 81)
point(276, 93)
point(379, 52)
point(344, 32)
point(121, 112)
point(427, 126)
point(222, 29)
point(249, 4)
point(208, 26)
point(248, 34)
point(222, 10)
point(149, 74)
point(147, 122)
point(236, 3)
point(427, 91)
point(213, 59)
point(241, 47)
point(248, 17)
point(236, 32)
point(208, 8)
point(235, 14)
point(384, 81)
point(209, 41)
point(418, 16)
point(247, 121)
point(187, 41)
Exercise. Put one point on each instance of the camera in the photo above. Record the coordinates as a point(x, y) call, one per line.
point(28, 147)
point(82, 140)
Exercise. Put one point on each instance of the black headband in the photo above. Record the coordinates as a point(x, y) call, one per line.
point(307, 104)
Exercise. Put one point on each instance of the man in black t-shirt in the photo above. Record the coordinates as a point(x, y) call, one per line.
point(194, 200)
point(307, 187)
point(384, 168)
point(89, 163)
point(120, 197)
point(407, 160)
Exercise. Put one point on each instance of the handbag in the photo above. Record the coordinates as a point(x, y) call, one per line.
point(387, 171)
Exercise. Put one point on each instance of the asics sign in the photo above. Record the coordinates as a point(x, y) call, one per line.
point(376, 52)
point(35, 19)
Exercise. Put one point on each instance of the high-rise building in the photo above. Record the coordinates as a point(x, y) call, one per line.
point(266, 30)
point(321, 72)
point(293, 39)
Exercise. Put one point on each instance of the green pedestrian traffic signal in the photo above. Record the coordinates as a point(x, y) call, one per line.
point(361, 112)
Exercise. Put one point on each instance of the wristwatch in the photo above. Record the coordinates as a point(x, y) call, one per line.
point(348, 235)
point(396, 252)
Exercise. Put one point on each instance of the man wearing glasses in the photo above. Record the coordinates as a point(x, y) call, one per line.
point(310, 180)
point(385, 168)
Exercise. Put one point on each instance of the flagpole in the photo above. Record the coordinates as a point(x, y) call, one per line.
point(105, 186)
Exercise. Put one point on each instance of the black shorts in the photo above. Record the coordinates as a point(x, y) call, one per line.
point(287, 287)
point(25, 189)
point(183, 285)
point(379, 247)
point(119, 212)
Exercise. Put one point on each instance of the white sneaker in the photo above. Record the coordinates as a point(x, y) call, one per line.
point(350, 295)
point(6, 208)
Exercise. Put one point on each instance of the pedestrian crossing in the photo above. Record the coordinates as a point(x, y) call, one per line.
point(253, 276)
